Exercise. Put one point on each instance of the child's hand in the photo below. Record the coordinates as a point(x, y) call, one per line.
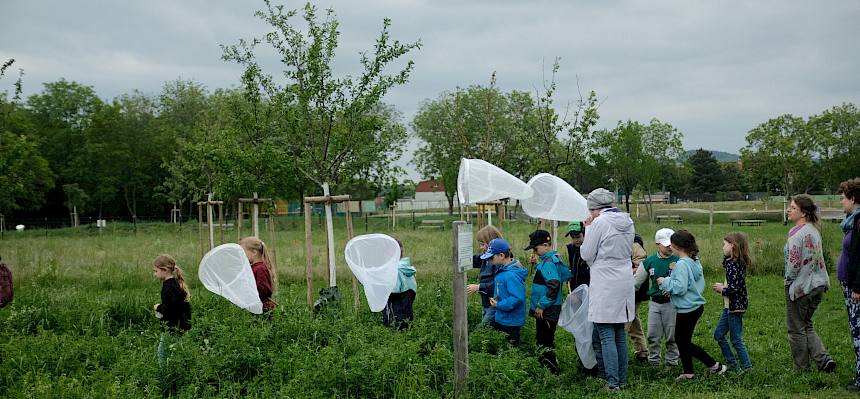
point(718, 288)
point(493, 302)
point(659, 280)
point(471, 289)
point(155, 307)
point(672, 266)
point(539, 313)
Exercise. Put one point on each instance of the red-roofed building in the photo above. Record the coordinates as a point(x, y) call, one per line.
point(430, 191)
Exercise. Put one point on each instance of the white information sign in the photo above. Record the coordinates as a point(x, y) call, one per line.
point(464, 246)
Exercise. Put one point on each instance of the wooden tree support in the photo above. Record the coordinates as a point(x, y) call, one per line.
point(485, 212)
point(328, 201)
point(210, 218)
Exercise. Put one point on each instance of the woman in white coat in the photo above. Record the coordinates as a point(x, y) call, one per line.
point(607, 249)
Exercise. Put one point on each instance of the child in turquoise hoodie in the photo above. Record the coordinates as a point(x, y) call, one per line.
point(685, 284)
point(399, 308)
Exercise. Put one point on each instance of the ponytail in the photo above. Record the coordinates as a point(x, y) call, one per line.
point(167, 262)
point(258, 246)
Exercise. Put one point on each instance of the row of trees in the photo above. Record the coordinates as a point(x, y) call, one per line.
point(280, 137)
point(522, 133)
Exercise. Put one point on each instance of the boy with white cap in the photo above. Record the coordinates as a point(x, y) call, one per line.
point(661, 313)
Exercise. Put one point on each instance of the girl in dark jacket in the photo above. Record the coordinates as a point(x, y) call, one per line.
point(175, 308)
point(734, 292)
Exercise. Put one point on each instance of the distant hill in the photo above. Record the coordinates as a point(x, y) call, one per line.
point(721, 156)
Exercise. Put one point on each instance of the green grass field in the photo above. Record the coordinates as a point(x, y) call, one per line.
point(82, 325)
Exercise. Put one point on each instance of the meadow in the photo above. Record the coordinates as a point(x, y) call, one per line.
point(82, 325)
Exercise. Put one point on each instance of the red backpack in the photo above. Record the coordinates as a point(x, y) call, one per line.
point(6, 292)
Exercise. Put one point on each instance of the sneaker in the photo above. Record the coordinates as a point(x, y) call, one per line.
point(853, 388)
point(642, 358)
point(829, 367)
point(683, 377)
point(611, 388)
point(718, 368)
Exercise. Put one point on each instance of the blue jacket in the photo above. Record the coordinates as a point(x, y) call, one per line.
point(511, 294)
point(405, 277)
point(686, 282)
point(546, 286)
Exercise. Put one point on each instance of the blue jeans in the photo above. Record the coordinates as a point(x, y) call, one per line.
point(488, 315)
point(732, 324)
point(611, 347)
point(163, 348)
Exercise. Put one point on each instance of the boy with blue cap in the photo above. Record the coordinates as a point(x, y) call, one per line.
point(509, 297)
point(546, 296)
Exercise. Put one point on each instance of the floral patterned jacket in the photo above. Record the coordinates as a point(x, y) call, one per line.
point(804, 262)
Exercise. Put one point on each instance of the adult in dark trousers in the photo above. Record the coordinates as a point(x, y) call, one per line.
point(578, 267)
point(634, 328)
point(608, 248)
point(546, 297)
point(848, 269)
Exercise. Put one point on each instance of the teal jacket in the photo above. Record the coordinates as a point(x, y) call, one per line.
point(686, 282)
point(546, 286)
point(405, 277)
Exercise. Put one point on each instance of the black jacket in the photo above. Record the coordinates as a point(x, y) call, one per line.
point(486, 279)
point(578, 268)
point(176, 312)
point(854, 257)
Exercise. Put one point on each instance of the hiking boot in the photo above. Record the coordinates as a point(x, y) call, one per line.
point(829, 367)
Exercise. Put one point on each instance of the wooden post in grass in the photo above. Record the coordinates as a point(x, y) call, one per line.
point(711, 219)
point(328, 201)
point(2, 226)
point(255, 213)
point(210, 220)
point(461, 259)
point(349, 234)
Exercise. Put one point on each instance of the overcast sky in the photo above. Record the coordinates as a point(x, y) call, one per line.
point(712, 69)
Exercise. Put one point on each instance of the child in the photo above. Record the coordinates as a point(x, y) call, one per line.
point(661, 313)
point(546, 296)
point(486, 275)
point(734, 292)
point(578, 267)
point(634, 328)
point(509, 292)
point(264, 273)
point(685, 284)
point(174, 309)
point(399, 307)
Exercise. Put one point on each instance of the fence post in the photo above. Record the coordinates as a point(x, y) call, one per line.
point(462, 255)
point(711, 219)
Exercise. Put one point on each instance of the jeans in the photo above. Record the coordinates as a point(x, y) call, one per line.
point(684, 328)
point(488, 315)
point(634, 330)
point(661, 324)
point(804, 342)
point(545, 339)
point(854, 324)
point(732, 324)
point(513, 333)
point(612, 357)
point(163, 346)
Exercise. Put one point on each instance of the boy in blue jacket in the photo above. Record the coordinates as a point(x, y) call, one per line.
point(509, 297)
point(546, 296)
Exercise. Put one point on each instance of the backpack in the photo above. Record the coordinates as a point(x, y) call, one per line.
point(6, 292)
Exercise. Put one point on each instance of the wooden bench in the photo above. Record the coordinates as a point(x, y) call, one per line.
point(432, 224)
point(670, 218)
point(748, 222)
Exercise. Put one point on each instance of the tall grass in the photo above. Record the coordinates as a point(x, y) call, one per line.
point(81, 325)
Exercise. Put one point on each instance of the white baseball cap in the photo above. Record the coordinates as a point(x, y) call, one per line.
point(664, 237)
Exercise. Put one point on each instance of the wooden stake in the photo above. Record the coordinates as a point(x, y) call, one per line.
point(309, 272)
point(255, 217)
point(209, 217)
point(461, 325)
point(349, 234)
point(221, 221)
point(239, 222)
point(200, 228)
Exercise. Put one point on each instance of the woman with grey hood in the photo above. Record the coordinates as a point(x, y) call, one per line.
point(607, 249)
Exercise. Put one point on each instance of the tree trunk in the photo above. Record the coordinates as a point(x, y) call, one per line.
point(450, 198)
